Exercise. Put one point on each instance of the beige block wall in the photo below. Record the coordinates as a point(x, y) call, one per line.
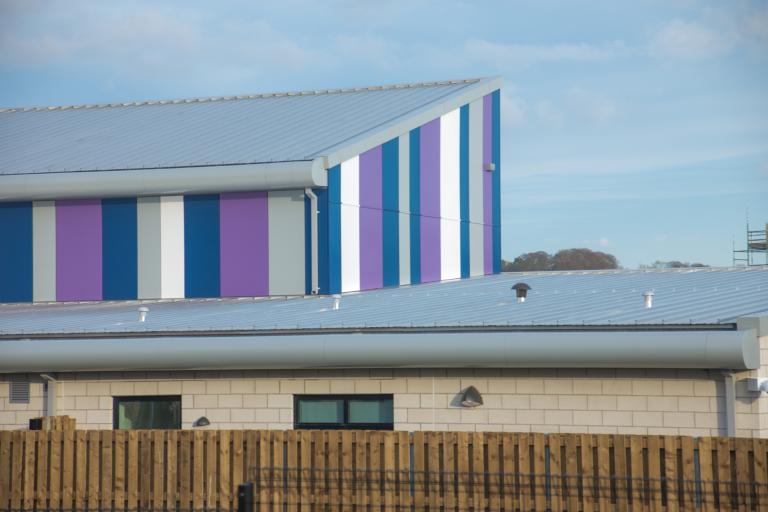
point(685, 402)
point(642, 401)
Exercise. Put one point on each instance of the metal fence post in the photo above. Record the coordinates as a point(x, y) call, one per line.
point(245, 497)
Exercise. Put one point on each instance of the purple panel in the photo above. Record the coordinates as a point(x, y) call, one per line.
point(244, 232)
point(429, 196)
point(78, 250)
point(487, 185)
point(371, 234)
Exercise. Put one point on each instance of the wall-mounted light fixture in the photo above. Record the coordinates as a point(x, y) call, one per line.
point(202, 421)
point(471, 397)
point(758, 385)
point(489, 167)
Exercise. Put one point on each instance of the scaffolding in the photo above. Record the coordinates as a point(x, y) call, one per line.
point(756, 252)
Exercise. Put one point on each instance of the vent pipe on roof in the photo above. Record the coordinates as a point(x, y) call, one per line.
point(521, 290)
point(648, 300)
point(336, 301)
point(143, 312)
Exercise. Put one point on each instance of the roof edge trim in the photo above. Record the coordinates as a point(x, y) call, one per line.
point(730, 350)
point(394, 128)
point(164, 181)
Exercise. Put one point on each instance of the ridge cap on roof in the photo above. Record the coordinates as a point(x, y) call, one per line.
point(212, 99)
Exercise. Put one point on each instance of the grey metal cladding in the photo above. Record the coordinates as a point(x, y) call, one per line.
point(213, 131)
point(579, 298)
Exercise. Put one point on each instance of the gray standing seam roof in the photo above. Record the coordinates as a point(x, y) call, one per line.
point(690, 297)
point(278, 127)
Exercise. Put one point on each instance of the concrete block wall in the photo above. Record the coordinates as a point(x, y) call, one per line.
point(642, 401)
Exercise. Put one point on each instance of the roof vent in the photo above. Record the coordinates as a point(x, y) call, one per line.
point(143, 312)
point(336, 301)
point(521, 289)
point(648, 300)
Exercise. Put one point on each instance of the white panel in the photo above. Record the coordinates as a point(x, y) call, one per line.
point(449, 166)
point(476, 249)
point(450, 225)
point(350, 225)
point(476, 162)
point(286, 242)
point(43, 251)
point(149, 248)
point(172, 246)
point(350, 181)
point(404, 205)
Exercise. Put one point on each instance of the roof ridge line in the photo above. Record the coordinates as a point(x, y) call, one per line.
point(211, 99)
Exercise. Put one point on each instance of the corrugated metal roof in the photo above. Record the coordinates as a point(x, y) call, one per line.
point(205, 131)
point(584, 298)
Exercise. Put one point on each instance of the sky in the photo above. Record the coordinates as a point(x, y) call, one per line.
point(639, 128)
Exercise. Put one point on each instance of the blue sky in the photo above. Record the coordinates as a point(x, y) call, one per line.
point(636, 127)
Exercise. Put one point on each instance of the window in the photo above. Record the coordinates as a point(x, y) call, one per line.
point(364, 412)
point(147, 412)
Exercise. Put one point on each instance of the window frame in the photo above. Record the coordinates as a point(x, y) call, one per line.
point(345, 424)
point(147, 398)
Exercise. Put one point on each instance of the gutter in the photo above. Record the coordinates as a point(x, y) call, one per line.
point(734, 350)
point(164, 181)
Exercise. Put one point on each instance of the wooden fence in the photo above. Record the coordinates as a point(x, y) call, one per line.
point(381, 471)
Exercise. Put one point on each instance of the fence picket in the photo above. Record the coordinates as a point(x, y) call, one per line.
point(707, 474)
point(572, 470)
point(6, 441)
point(588, 468)
point(671, 472)
point(118, 459)
point(759, 470)
point(54, 477)
point(526, 480)
point(604, 471)
point(106, 477)
point(689, 470)
point(638, 473)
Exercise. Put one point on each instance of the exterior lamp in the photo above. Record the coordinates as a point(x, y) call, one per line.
point(202, 421)
point(471, 397)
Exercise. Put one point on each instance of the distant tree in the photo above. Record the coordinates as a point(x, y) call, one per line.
point(583, 259)
point(566, 259)
point(529, 261)
point(673, 264)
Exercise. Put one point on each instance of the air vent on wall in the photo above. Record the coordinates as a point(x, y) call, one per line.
point(19, 390)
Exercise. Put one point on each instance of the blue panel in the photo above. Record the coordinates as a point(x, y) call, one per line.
point(464, 188)
point(119, 251)
point(415, 191)
point(496, 182)
point(201, 246)
point(16, 252)
point(307, 246)
point(334, 229)
point(390, 164)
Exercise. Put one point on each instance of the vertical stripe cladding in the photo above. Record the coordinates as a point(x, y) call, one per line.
point(16, 252)
point(424, 199)
point(419, 208)
point(78, 250)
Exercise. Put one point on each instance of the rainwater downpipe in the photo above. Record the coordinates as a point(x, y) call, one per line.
point(49, 407)
point(729, 384)
point(313, 237)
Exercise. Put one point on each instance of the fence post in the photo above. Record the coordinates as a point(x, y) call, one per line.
point(245, 497)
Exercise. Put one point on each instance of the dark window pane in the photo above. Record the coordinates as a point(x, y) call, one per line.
point(148, 413)
point(370, 410)
point(321, 411)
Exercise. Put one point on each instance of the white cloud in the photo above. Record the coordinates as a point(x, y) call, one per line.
point(604, 242)
point(590, 105)
point(687, 40)
point(513, 108)
point(506, 56)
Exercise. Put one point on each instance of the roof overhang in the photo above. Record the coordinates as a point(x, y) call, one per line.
point(387, 131)
point(733, 350)
point(164, 181)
